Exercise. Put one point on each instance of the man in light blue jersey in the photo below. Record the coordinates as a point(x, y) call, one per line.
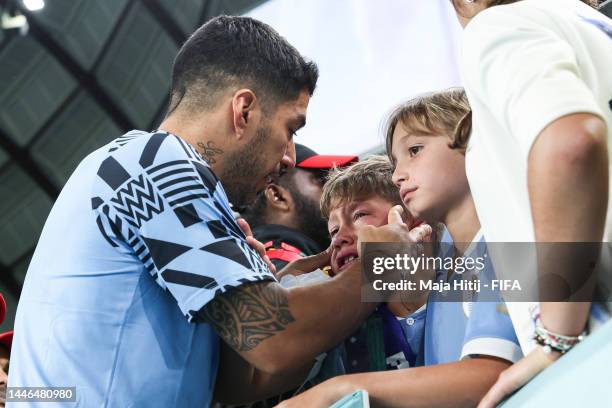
point(141, 269)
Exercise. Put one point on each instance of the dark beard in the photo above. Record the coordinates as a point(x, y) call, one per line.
point(310, 221)
point(238, 178)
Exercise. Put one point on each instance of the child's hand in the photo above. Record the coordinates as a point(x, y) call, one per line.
point(306, 264)
point(255, 244)
point(396, 230)
point(517, 375)
point(402, 240)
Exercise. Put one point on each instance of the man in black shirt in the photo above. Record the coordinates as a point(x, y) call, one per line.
point(286, 216)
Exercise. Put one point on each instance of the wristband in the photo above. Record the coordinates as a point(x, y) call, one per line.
point(552, 341)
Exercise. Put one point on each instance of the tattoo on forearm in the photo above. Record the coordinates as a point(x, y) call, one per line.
point(209, 151)
point(246, 316)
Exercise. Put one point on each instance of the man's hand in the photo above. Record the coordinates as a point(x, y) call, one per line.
point(255, 244)
point(396, 230)
point(517, 375)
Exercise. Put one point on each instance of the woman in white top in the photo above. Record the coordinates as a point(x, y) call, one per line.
point(538, 77)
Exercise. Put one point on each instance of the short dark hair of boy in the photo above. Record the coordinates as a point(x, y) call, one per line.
point(439, 113)
point(238, 52)
point(359, 181)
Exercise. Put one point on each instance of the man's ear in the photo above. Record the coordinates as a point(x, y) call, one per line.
point(278, 197)
point(245, 112)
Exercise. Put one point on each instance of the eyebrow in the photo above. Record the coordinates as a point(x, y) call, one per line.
point(353, 205)
point(405, 136)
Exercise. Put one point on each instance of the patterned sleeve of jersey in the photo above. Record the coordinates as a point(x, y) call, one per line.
point(156, 199)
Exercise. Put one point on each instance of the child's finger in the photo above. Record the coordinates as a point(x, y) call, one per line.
point(244, 225)
point(256, 245)
point(313, 262)
point(420, 233)
point(271, 266)
point(261, 250)
point(395, 215)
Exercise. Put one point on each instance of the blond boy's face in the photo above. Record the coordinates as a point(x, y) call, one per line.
point(430, 175)
point(345, 222)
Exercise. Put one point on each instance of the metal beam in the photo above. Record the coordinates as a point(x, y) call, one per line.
point(87, 80)
point(8, 280)
point(158, 115)
point(167, 23)
point(209, 10)
point(21, 157)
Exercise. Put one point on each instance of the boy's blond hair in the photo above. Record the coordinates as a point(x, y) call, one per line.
point(359, 181)
point(439, 113)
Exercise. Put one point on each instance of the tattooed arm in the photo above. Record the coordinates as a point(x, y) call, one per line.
point(278, 330)
point(239, 382)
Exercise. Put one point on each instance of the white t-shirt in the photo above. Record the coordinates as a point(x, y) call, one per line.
point(525, 65)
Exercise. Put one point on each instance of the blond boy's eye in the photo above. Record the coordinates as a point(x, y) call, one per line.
point(414, 150)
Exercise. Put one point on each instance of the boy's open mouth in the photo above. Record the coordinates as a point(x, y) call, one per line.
point(347, 260)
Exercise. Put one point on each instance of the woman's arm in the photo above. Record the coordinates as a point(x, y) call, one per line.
point(568, 191)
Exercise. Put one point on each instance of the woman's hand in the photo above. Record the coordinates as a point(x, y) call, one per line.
point(518, 375)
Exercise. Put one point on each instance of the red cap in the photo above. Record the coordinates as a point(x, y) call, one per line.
point(308, 159)
point(2, 308)
point(6, 339)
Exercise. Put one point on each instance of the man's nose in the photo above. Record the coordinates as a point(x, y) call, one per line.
point(288, 160)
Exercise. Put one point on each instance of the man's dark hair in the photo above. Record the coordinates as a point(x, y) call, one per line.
point(243, 52)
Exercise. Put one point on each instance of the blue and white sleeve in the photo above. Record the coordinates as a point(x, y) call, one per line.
point(156, 200)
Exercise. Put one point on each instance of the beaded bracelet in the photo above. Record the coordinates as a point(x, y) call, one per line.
point(552, 341)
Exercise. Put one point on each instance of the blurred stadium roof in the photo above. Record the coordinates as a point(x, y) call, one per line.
point(85, 72)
